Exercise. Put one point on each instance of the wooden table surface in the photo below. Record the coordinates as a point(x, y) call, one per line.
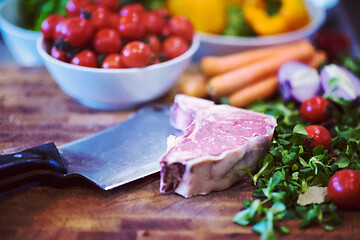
point(33, 111)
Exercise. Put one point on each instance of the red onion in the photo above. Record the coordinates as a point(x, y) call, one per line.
point(338, 82)
point(298, 81)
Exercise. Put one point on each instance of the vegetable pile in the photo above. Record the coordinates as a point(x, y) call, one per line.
point(307, 163)
point(104, 34)
point(241, 78)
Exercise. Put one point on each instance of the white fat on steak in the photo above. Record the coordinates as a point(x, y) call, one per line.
point(217, 141)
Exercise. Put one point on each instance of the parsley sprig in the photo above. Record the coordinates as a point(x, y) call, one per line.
point(291, 167)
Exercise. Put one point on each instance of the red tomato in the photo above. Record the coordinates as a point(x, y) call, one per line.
point(314, 109)
point(114, 19)
point(77, 31)
point(58, 54)
point(113, 5)
point(49, 24)
point(344, 189)
point(153, 22)
point(174, 46)
point(153, 42)
point(132, 26)
point(162, 12)
point(135, 54)
point(106, 41)
point(112, 61)
point(94, 7)
point(182, 27)
point(73, 7)
point(131, 8)
point(98, 16)
point(318, 135)
point(85, 58)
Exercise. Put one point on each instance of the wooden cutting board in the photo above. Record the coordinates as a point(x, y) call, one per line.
point(34, 110)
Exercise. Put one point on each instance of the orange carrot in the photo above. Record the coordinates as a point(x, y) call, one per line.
point(226, 83)
point(249, 94)
point(318, 58)
point(194, 85)
point(215, 65)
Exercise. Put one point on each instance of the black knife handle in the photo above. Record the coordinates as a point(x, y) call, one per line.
point(30, 161)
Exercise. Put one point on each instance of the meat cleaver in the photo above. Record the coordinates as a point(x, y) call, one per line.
point(110, 158)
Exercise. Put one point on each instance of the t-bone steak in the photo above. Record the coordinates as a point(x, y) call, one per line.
point(217, 141)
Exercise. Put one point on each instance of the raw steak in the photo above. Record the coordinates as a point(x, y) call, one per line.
point(218, 140)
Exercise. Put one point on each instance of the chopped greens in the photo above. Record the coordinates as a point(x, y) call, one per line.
point(291, 167)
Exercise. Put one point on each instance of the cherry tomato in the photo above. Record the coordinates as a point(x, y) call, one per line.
point(58, 54)
point(113, 5)
point(344, 189)
point(318, 135)
point(314, 109)
point(135, 54)
point(98, 16)
point(114, 19)
point(131, 8)
point(77, 31)
point(132, 27)
point(154, 43)
point(162, 12)
point(174, 46)
point(49, 24)
point(85, 58)
point(73, 7)
point(181, 26)
point(112, 61)
point(106, 41)
point(153, 22)
point(93, 7)
point(165, 31)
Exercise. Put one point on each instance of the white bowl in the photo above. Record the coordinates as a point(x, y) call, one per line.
point(116, 89)
point(20, 42)
point(217, 45)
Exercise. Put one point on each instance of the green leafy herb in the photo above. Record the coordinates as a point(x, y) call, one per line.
point(290, 168)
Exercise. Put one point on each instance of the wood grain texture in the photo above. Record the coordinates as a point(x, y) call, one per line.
point(33, 110)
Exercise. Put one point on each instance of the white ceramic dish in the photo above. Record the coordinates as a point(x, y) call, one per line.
point(217, 45)
point(20, 42)
point(116, 89)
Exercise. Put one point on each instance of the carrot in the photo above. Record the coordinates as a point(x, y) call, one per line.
point(249, 94)
point(318, 58)
point(194, 85)
point(212, 66)
point(226, 83)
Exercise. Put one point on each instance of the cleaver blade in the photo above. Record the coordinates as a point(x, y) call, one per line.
point(113, 157)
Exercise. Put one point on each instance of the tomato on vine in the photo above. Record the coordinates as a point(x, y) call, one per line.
point(314, 109)
point(344, 189)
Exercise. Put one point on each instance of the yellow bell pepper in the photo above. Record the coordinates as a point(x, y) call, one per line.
point(292, 15)
point(207, 16)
